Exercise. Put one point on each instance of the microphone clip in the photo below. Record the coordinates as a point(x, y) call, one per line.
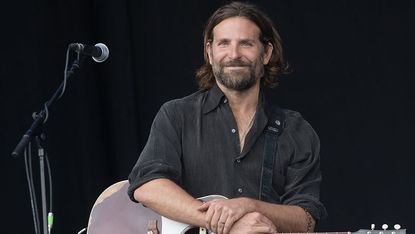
point(99, 52)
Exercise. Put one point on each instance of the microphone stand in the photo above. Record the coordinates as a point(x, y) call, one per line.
point(40, 141)
point(40, 117)
point(36, 131)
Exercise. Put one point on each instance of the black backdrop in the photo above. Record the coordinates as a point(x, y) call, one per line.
point(352, 79)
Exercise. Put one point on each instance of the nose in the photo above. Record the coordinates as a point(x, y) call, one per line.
point(234, 52)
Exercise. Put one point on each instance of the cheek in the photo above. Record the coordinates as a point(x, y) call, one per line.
point(217, 58)
point(254, 56)
point(218, 54)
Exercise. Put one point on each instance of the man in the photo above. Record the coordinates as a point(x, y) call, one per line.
point(215, 141)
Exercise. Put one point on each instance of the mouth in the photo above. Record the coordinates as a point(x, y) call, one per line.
point(236, 67)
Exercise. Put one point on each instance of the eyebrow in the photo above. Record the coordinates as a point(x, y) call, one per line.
point(247, 40)
point(241, 40)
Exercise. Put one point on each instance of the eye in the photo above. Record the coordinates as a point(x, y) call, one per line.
point(246, 44)
point(223, 43)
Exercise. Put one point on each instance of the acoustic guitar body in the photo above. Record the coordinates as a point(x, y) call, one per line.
point(114, 212)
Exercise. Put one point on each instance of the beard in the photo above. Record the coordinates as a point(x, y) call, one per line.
point(239, 79)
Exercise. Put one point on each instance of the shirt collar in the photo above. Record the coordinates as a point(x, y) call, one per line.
point(214, 97)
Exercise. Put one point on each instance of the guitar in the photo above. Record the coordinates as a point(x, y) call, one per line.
point(114, 212)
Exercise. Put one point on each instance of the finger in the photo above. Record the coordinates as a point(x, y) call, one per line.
point(267, 225)
point(266, 221)
point(222, 223)
point(204, 206)
point(208, 217)
point(215, 219)
point(228, 224)
point(264, 228)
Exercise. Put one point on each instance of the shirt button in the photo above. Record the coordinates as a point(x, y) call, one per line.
point(240, 190)
point(238, 160)
point(225, 100)
point(233, 130)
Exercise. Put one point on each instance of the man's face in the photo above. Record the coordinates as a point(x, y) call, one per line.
point(236, 54)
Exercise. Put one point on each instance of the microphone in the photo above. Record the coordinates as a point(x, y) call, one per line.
point(99, 52)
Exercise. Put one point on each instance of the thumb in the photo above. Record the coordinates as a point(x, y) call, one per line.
point(204, 206)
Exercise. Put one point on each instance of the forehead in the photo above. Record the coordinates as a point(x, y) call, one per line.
point(236, 28)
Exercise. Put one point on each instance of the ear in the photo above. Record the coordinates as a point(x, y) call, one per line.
point(267, 53)
point(208, 48)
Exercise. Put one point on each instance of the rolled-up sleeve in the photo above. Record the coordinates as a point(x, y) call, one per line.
point(303, 175)
point(160, 157)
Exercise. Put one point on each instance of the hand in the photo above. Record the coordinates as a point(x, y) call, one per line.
point(253, 223)
point(221, 214)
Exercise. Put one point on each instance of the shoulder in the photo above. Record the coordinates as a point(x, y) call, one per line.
point(182, 109)
point(299, 138)
point(184, 103)
point(295, 120)
point(298, 128)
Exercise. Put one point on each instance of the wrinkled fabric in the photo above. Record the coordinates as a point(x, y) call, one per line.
point(194, 142)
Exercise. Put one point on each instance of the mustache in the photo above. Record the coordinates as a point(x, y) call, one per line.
point(236, 63)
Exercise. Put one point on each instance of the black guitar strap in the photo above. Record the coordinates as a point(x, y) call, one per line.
point(274, 128)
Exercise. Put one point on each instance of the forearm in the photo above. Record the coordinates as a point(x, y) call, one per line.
point(286, 218)
point(170, 200)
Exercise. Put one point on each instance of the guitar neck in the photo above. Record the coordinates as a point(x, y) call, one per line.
point(361, 231)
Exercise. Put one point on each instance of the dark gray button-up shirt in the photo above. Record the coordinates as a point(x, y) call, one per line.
point(194, 142)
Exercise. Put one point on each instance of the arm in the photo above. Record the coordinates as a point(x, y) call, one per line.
point(154, 180)
point(253, 223)
point(286, 218)
point(167, 198)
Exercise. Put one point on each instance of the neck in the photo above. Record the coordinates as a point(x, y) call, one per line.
point(243, 105)
point(242, 101)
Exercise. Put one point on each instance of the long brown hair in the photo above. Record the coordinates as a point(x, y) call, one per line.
point(268, 34)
